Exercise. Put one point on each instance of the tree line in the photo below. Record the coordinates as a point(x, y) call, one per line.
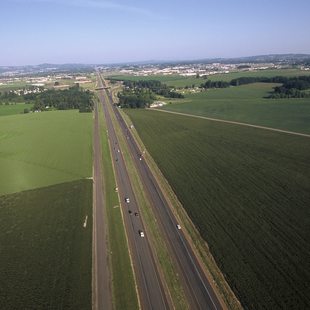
point(136, 98)
point(10, 97)
point(215, 84)
point(72, 98)
point(155, 86)
point(140, 94)
point(292, 87)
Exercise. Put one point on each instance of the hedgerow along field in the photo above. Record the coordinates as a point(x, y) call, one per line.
point(248, 192)
point(45, 252)
point(41, 149)
point(248, 104)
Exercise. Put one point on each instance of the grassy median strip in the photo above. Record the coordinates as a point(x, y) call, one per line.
point(200, 246)
point(167, 265)
point(123, 284)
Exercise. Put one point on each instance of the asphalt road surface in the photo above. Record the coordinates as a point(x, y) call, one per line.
point(151, 292)
point(200, 293)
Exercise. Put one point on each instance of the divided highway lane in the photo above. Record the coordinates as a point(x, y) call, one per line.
point(197, 287)
point(150, 288)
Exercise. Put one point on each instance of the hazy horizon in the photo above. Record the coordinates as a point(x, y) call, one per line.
point(106, 32)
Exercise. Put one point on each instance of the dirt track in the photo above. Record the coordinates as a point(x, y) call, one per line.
point(238, 123)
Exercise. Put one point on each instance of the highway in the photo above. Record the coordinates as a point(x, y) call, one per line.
point(150, 288)
point(199, 292)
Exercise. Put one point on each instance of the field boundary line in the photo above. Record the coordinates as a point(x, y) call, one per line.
point(236, 123)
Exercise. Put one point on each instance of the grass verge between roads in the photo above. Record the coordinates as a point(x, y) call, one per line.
point(247, 191)
point(166, 265)
point(42, 149)
point(123, 284)
point(45, 252)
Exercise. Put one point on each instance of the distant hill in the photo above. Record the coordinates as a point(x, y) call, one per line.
point(48, 68)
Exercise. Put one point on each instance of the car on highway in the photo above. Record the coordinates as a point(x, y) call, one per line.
point(127, 200)
point(136, 214)
point(178, 226)
point(129, 211)
point(141, 233)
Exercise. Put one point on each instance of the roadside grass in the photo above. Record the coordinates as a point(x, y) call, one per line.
point(41, 149)
point(162, 256)
point(247, 104)
point(247, 191)
point(124, 292)
point(45, 252)
point(12, 109)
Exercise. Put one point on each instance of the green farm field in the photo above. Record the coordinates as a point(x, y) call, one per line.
point(45, 252)
point(247, 103)
point(181, 81)
point(41, 149)
point(261, 73)
point(12, 109)
point(13, 86)
point(170, 80)
point(248, 192)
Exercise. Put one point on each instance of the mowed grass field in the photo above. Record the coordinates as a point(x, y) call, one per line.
point(248, 192)
point(41, 149)
point(45, 252)
point(247, 103)
point(13, 109)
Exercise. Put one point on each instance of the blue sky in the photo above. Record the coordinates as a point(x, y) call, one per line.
point(99, 31)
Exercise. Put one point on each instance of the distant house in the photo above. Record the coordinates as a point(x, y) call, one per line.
point(157, 104)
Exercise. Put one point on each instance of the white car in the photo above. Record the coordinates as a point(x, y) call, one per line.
point(127, 200)
point(178, 226)
point(141, 233)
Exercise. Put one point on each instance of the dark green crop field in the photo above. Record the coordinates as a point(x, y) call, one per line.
point(248, 192)
point(247, 104)
point(45, 252)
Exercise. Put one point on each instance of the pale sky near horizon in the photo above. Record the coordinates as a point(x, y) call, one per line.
point(99, 31)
